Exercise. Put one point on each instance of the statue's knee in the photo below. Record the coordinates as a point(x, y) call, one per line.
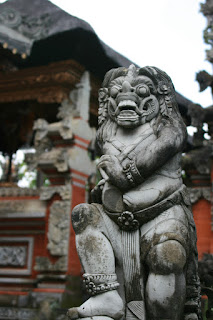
point(81, 217)
point(167, 257)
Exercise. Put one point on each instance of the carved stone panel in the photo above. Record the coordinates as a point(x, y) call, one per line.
point(17, 313)
point(197, 193)
point(13, 255)
point(44, 264)
point(59, 228)
point(16, 255)
point(57, 158)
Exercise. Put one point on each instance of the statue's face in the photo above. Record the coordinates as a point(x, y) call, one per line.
point(132, 101)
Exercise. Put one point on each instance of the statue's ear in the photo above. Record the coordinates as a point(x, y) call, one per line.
point(165, 98)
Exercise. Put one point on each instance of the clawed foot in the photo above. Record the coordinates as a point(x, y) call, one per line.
point(108, 304)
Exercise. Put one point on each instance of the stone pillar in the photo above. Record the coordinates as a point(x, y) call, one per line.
point(62, 155)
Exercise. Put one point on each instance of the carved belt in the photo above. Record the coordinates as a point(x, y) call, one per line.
point(130, 221)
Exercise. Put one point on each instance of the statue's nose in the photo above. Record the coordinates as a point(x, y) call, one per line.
point(126, 86)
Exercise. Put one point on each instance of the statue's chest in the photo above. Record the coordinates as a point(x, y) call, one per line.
point(127, 144)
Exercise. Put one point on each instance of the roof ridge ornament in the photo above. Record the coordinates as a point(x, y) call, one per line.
point(33, 28)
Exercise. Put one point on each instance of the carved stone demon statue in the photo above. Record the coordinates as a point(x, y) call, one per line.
point(137, 241)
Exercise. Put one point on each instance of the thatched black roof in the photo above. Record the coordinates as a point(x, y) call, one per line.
point(42, 33)
point(45, 33)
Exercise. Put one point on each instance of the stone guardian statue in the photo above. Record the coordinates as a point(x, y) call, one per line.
point(137, 241)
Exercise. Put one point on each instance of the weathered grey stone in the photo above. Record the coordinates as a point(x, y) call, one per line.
point(137, 241)
point(17, 192)
point(58, 232)
point(44, 264)
point(17, 313)
point(78, 103)
point(22, 206)
point(64, 191)
point(197, 193)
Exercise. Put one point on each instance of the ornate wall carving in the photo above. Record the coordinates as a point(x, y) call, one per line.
point(12, 206)
point(44, 264)
point(13, 255)
point(45, 84)
point(64, 191)
point(17, 313)
point(59, 228)
point(197, 193)
point(22, 206)
point(14, 259)
point(17, 192)
point(35, 28)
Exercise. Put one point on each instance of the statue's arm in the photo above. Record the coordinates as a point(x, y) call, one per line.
point(171, 140)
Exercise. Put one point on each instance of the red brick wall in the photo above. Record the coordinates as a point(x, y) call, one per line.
point(202, 216)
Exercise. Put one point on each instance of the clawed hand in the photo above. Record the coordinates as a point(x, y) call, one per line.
point(96, 193)
point(112, 170)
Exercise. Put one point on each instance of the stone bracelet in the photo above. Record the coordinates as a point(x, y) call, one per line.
point(132, 173)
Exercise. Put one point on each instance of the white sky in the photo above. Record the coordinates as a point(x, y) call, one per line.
point(164, 33)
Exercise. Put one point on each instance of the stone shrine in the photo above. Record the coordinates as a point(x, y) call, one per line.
point(137, 240)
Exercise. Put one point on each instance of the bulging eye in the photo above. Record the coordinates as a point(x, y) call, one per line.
point(114, 91)
point(143, 91)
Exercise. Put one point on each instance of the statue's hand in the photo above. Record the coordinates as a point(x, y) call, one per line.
point(113, 171)
point(96, 192)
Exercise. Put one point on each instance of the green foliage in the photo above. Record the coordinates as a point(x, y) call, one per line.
point(26, 176)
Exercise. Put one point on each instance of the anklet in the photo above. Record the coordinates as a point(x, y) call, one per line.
point(98, 283)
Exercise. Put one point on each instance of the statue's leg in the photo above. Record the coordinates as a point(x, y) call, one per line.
point(165, 244)
point(166, 285)
point(97, 258)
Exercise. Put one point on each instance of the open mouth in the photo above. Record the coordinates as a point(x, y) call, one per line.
point(127, 104)
point(127, 111)
point(127, 108)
